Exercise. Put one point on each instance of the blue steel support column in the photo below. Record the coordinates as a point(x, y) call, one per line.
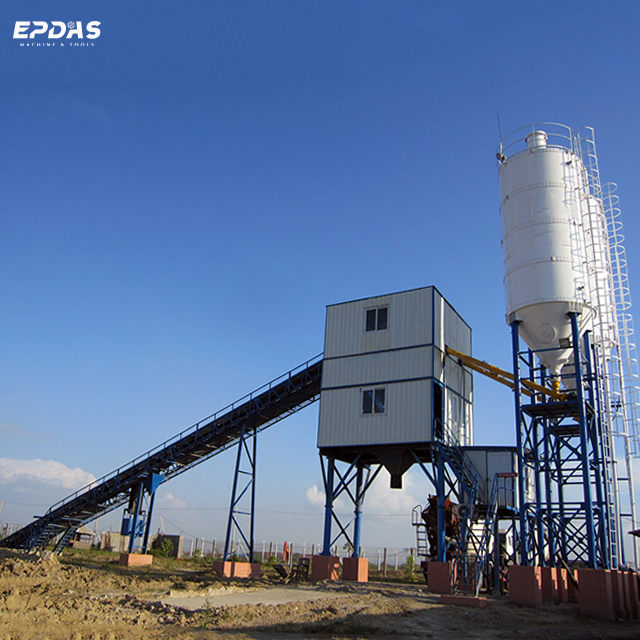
point(442, 552)
point(147, 529)
point(549, 515)
point(227, 540)
point(524, 542)
point(561, 507)
point(253, 497)
point(328, 506)
point(540, 537)
point(137, 490)
point(357, 523)
point(584, 443)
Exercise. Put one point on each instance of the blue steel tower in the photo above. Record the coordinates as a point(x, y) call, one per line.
point(567, 301)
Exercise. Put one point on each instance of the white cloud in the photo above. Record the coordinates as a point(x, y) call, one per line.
point(43, 472)
point(315, 497)
point(382, 500)
point(379, 500)
point(169, 501)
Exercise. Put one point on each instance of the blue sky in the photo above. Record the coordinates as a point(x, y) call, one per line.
point(181, 200)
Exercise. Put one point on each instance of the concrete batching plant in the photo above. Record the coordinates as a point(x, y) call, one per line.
point(396, 390)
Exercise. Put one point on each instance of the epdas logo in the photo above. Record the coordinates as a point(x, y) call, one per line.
point(57, 30)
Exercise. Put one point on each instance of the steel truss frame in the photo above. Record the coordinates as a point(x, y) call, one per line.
point(352, 482)
point(243, 497)
point(565, 489)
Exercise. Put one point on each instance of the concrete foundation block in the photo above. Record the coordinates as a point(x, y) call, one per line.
point(525, 586)
point(236, 569)
point(135, 559)
point(595, 597)
point(222, 568)
point(562, 585)
point(630, 592)
point(355, 569)
point(464, 601)
point(325, 568)
point(572, 590)
point(439, 577)
point(618, 594)
point(549, 585)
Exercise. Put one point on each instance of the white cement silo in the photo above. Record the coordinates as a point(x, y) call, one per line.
point(541, 187)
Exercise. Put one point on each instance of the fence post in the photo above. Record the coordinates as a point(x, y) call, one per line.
point(384, 563)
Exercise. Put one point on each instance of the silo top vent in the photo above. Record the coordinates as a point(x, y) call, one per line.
point(536, 140)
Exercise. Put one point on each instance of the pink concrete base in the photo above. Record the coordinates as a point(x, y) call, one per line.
point(355, 569)
point(549, 585)
point(618, 595)
point(439, 577)
point(630, 581)
point(135, 559)
point(562, 584)
point(464, 601)
point(525, 586)
point(236, 569)
point(624, 587)
point(325, 568)
point(596, 593)
point(572, 590)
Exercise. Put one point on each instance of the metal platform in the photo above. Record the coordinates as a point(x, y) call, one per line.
point(260, 409)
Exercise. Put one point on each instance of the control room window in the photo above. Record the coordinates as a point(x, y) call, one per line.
point(377, 319)
point(373, 401)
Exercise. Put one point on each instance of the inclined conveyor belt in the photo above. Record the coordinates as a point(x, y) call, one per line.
point(267, 405)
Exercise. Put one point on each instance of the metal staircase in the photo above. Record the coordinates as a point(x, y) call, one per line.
point(470, 485)
point(260, 409)
point(487, 536)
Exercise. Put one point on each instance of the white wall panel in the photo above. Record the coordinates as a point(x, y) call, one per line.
point(373, 368)
point(408, 417)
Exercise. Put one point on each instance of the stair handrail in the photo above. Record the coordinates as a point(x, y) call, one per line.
point(452, 450)
point(487, 533)
point(449, 439)
point(498, 487)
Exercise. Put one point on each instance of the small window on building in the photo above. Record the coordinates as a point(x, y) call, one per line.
point(377, 319)
point(373, 401)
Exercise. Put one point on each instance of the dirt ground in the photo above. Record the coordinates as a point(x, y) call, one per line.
point(88, 596)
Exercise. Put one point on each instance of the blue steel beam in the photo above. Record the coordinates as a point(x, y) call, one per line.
point(260, 409)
